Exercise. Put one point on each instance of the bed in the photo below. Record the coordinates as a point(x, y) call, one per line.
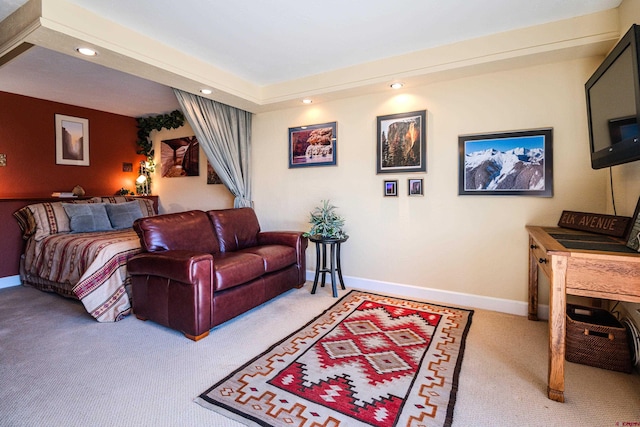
point(79, 249)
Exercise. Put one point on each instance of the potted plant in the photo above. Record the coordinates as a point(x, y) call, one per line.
point(325, 222)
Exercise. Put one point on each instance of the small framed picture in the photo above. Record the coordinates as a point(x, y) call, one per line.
point(415, 186)
point(72, 140)
point(390, 188)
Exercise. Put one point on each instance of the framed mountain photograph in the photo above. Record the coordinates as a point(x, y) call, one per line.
point(511, 163)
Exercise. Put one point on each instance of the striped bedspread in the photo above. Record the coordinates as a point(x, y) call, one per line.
point(92, 265)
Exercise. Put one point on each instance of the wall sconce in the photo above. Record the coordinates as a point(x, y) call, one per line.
point(143, 181)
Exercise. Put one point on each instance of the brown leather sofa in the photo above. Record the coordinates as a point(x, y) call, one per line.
point(199, 269)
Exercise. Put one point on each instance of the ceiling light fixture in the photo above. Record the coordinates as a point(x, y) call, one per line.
point(307, 101)
point(397, 85)
point(86, 51)
point(206, 91)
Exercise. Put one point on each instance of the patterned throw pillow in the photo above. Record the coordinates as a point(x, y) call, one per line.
point(87, 217)
point(50, 218)
point(146, 205)
point(122, 215)
point(26, 222)
point(114, 199)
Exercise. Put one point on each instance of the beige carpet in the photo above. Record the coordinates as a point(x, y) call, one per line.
point(59, 367)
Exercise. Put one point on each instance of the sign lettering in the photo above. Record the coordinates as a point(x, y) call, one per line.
point(610, 225)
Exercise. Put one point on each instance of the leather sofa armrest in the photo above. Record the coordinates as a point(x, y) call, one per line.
point(182, 266)
point(294, 239)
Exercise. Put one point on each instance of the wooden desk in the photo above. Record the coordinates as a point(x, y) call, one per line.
point(574, 266)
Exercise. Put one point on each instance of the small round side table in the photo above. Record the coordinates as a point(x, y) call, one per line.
point(321, 261)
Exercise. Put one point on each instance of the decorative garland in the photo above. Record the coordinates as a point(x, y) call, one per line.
point(173, 120)
point(146, 125)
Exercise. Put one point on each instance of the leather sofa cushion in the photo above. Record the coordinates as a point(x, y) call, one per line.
point(188, 231)
point(236, 268)
point(236, 228)
point(275, 257)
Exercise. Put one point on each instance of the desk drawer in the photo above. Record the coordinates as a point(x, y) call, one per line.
point(541, 258)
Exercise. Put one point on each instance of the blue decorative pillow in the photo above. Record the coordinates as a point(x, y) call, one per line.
point(84, 218)
point(122, 215)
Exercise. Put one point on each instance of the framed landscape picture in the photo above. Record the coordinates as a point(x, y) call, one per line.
point(507, 163)
point(402, 142)
point(313, 145)
point(72, 140)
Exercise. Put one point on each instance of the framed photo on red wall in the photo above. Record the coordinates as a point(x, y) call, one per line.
point(72, 140)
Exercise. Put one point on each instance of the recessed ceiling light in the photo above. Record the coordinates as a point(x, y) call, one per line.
point(86, 51)
point(206, 91)
point(307, 101)
point(396, 85)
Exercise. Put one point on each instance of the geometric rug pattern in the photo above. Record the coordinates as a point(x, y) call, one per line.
point(369, 360)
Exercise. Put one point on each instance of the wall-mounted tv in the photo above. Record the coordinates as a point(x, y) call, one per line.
point(613, 105)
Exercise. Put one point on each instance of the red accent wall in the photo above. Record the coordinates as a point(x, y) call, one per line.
point(27, 137)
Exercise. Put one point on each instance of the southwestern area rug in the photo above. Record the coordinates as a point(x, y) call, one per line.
point(369, 360)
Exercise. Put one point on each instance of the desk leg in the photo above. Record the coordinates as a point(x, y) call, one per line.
point(533, 282)
point(557, 327)
point(315, 279)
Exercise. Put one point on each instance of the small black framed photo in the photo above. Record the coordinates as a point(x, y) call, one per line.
point(415, 186)
point(391, 188)
point(514, 163)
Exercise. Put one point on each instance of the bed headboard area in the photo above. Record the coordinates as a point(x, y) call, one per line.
point(18, 218)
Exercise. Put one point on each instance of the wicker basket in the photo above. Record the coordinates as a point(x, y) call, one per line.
point(596, 338)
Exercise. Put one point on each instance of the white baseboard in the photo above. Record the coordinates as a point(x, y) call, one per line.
point(9, 281)
point(408, 291)
point(440, 296)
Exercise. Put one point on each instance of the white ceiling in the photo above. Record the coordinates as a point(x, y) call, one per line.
point(267, 43)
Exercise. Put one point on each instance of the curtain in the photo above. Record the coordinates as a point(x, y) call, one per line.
point(225, 135)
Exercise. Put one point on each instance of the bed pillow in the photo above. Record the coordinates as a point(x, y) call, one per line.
point(88, 217)
point(113, 199)
point(146, 205)
point(122, 215)
point(49, 218)
point(26, 222)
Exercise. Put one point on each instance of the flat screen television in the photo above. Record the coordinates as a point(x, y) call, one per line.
point(613, 105)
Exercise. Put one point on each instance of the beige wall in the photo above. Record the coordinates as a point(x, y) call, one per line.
point(469, 244)
point(188, 192)
point(626, 178)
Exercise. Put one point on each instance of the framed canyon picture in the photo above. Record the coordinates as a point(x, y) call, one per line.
point(507, 163)
point(313, 145)
point(180, 157)
point(72, 140)
point(402, 145)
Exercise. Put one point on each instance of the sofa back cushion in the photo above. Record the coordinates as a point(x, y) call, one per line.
point(236, 228)
point(190, 231)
